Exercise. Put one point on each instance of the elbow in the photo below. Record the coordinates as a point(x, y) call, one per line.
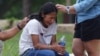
point(3, 37)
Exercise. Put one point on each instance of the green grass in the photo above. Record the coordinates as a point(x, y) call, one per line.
point(11, 46)
point(59, 18)
point(68, 40)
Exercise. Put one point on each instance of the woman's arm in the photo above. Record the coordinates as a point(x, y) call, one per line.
point(63, 8)
point(53, 41)
point(4, 35)
point(54, 45)
point(37, 44)
point(78, 7)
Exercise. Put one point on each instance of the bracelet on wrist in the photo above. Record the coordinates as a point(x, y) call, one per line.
point(19, 27)
point(68, 9)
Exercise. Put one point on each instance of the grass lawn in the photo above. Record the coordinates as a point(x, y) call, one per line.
point(11, 46)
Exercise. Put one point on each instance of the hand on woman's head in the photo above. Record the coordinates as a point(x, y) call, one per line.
point(23, 22)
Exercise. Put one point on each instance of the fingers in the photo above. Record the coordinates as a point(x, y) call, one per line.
point(26, 19)
point(62, 52)
point(58, 6)
point(59, 49)
point(23, 22)
point(61, 8)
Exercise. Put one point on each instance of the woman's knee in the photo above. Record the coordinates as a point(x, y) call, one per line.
point(92, 47)
point(77, 52)
point(77, 47)
point(46, 53)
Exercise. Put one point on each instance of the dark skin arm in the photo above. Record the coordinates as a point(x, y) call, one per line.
point(7, 34)
point(56, 46)
point(62, 8)
point(53, 46)
point(4, 35)
point(38, 45)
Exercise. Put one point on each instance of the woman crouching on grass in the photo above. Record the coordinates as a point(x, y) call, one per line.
point(39, 35)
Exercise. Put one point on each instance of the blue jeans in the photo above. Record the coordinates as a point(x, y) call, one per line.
point(32, 52)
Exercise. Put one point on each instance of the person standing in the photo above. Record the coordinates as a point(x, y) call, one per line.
point(87, 28)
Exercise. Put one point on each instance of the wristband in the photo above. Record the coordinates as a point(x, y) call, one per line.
point(68, 9)
point(18, 26)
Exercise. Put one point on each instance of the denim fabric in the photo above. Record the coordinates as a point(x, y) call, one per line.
point(87, 9)
point(32, 52)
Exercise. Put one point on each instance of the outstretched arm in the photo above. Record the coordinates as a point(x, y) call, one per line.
point(7, 34)
point(63, 8)
point(78, 7)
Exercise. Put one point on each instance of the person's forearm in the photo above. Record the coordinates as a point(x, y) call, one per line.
point(4, 35)
point(66, 9)
point(42, 46)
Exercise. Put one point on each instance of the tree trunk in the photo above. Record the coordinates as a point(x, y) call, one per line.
point(68, 18)
point(26, 7)
point(68, 2)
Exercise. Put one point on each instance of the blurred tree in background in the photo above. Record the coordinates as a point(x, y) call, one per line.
point(21, 8)
point(9, 8)
point(27, 4)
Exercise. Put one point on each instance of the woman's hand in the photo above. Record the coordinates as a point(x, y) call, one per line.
point(23, 22)
point(58, 48)
point(60, 7)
